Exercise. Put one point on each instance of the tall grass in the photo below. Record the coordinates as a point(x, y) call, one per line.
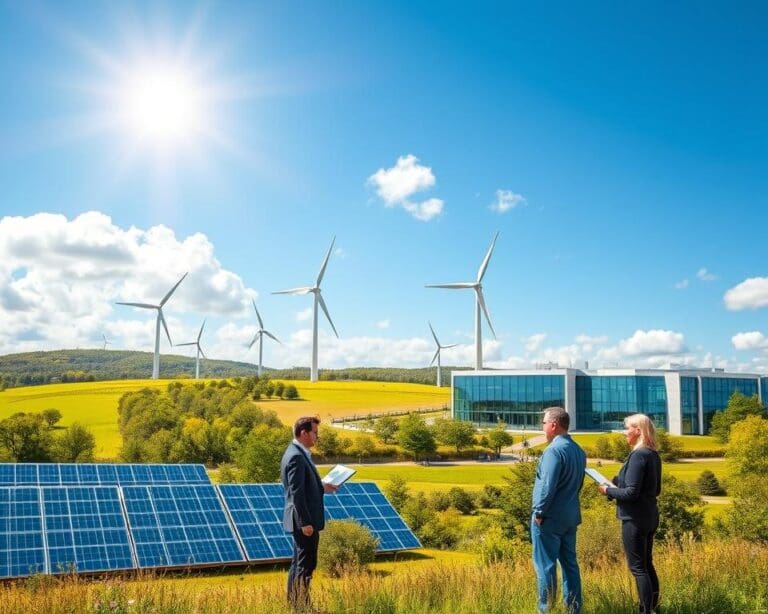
point(716, 577)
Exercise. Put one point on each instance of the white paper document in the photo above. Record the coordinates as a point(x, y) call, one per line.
point(597, 476)
point(338, 475)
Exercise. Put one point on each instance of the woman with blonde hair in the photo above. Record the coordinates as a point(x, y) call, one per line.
point(636, 488)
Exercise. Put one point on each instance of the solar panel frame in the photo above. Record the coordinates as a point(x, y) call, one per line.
point(96, 474)
point(22, 543)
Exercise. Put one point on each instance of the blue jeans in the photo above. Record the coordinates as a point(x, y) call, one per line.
point(550, 545)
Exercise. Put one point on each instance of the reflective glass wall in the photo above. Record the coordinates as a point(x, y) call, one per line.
point(603, 401)
point(689, 405)
point(715, 392)
point(516, 400)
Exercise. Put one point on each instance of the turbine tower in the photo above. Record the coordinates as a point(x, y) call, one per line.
point(199, 350)
point(160, 319)
point(477, 286)
point(260, 335)
point(318, 299)
point(437, 353)
point(105, 341)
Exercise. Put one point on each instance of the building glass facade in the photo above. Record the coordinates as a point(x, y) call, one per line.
point(603, 401)
point(516, 400)
point(715, 392)
point(764, 390)
point(689, 405)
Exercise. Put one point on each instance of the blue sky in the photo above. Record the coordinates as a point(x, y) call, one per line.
point(619, 151)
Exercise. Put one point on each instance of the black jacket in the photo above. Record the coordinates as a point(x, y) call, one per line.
point(303, 491)
point(637, 486)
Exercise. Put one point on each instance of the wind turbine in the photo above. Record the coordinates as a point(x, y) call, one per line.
point(199, 350)
point(105, 341)
point(437, 353)
point(260, 335)
point(318, 299)
point(160, 318)
point(477, 286)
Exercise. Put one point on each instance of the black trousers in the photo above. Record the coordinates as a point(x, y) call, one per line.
point(638, 547)
point(303, 564)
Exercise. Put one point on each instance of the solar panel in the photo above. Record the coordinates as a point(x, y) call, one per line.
point(85, 529)
point(92, 474)
point(179, 525)
point(22, 551)
point(257, 513)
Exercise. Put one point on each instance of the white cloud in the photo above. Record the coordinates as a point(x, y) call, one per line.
point(534, 342)
point(705, 275)
point(383, 324)
point(591, 339)
point(751, 293)
point(304, 315)
point(60, 278)
point(506, 200)
point(749, 341)
point(396, 185)
point(647, 342)
point(682, 284)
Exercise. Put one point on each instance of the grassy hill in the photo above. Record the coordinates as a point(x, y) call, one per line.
point(94, 404)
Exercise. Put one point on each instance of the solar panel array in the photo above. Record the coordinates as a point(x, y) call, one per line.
point(61, 518)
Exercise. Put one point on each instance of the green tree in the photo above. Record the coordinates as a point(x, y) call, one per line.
point(386, 428)
point(279, 389)
point(603, 447)
point(681, 512)
point(417, 512)
point(396, 491)
point(515, 500)
point(498, 438)
point(708, 484)
point(291, 392)
point(748, 518)
point(51, 416)
point(457, 433)
point(362, 447)
point(747, 449)
point(328, 442)
point(416, 437)
point(261, 452)
point(670, 448)
point(739, 407)
point(26, 437)
point(75, 445)
point(461, 500)
point(619, 447)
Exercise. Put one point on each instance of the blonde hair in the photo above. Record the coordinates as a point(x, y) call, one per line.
point(647, 431)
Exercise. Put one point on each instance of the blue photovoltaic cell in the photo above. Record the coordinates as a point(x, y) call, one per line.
point(21, 532)
point(85, 529)
point(179, 525)
point(257, 512)
point(91, 474)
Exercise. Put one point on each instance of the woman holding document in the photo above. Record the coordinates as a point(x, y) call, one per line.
point(635, 491)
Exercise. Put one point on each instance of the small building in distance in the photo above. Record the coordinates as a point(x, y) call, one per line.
point(681, 400)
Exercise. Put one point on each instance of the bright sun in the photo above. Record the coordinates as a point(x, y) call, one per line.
point(162, 105)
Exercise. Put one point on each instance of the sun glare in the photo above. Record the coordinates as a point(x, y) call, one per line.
point(162, 105)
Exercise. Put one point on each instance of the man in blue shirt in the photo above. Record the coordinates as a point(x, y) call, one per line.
point(556, 513)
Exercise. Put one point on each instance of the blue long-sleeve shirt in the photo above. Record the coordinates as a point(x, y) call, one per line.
point(559, 477)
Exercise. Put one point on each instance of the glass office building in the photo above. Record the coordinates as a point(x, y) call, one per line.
point(682, 401)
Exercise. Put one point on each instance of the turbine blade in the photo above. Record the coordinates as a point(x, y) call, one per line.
point(434, 336)
point(176, 345)
point(258, 315)
point(271, 336)
point(484, 265)
point(481, 300)
point(445, 347)
point(434, 358)
point(172, 290)
point(304, 290)
point(256, 336)
point(457, 285)
point(201, 352)
point(200, 334)
point(325, 264)
point(325, 310)
point(142, 305)
point(165, 326)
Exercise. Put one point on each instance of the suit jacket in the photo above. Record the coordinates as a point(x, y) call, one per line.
point(637, 486)
point(559, 477)
point(303, 491)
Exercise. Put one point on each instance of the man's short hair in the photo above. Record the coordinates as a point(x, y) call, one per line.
point(559, 415)
point(304, 425)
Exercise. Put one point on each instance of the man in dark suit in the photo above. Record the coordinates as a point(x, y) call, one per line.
point(304, 513)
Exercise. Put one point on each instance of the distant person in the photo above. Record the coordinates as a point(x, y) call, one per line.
point(557, 514)
point(637, 486)
point(304, 513)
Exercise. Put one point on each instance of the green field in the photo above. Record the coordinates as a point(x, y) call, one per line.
point(94, 404)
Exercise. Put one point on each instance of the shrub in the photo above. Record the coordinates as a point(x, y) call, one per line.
point(279, 389)
point(599, 538)
point(443, 530)
point(748, 519)
point(495, 547)
point(345, 546)
point(670, 448)
point(461, 500)
point(290, 392)
point(397, 491)
point(681, 513)
point(603, 448)
point(439, 500)
point(708, 484)
point(488, 498)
